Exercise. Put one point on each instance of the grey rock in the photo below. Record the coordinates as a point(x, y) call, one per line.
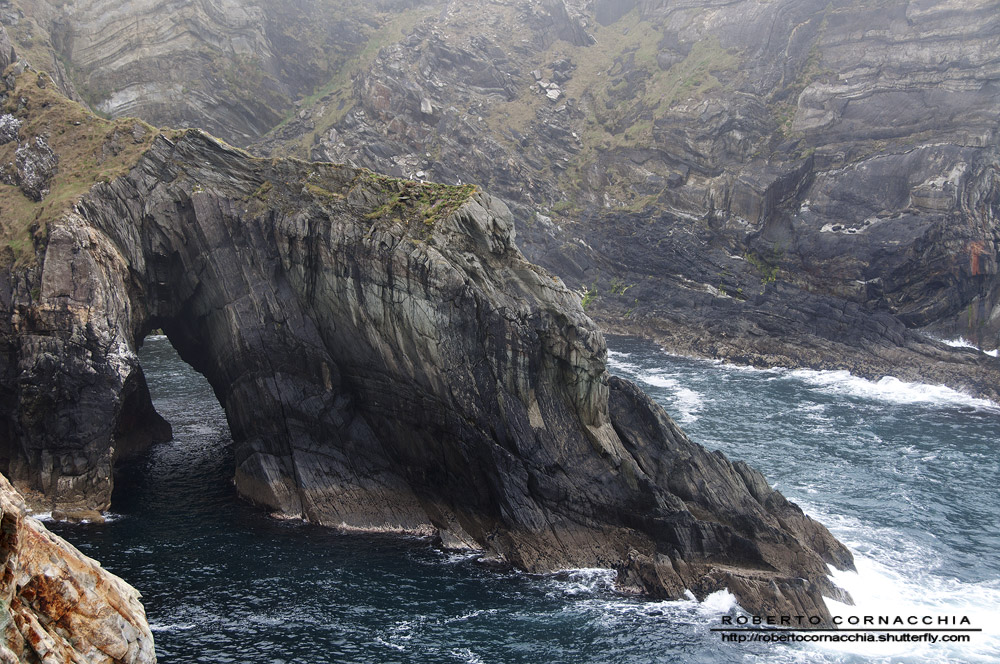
point(383, 367)
point(34, 165)
point(9, 128)
point(840, 120)
point(8, 55)
point(234, 67)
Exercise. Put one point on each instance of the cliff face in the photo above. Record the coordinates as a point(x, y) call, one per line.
point(59, 605)
point(233, 67)
point(750, 161)
point(777, 172)
point(387, 360)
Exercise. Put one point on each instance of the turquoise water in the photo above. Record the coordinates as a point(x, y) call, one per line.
point(904, 474)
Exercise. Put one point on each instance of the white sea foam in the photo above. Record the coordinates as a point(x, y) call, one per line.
point(887, 389)
point(466, 655)
point(843, 383)
point(659, 380)
point(622, 613)
point(898, 577)
point(469, 616)
point(394, 646)
point(684, 401)
point(882, 590)
point(746, 368)
point(719, 602)
point(960, 342)
point(47, 517)
point(689, 403)
point(619, 362)
point(585, 580)
point(455, 557)
point(171, 627)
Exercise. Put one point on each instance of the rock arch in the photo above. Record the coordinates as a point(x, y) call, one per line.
point(387, 360)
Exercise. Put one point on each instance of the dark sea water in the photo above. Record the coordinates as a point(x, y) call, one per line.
point(906, 475)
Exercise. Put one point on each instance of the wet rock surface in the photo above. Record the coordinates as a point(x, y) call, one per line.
point(59, 605)
point(742, 308)
point(387, 360)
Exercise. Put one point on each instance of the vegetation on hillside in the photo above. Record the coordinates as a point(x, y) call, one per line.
point(90, 150)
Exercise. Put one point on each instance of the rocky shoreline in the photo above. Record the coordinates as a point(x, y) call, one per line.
point(386, 358)
point(58, 604)
point(777, 183)
point(920, 359)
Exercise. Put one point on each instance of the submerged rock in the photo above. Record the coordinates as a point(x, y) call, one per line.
point(58, 605)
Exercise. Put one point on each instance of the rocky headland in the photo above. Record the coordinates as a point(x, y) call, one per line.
point(776, 183)
point(386, 357)
point(769, 182)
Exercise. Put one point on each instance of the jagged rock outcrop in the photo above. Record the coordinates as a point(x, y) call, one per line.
point(32, 169)
point(741, 309)
point(7, 52)
point(387, 360)
point(58, 605)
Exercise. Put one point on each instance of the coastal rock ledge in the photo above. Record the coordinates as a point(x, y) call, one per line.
point(387, 360)
point(58, 605)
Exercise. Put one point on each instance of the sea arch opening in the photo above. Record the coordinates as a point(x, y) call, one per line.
point(181, 457)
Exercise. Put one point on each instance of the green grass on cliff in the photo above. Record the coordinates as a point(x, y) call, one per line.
point(382, 199)
point(90, 150)
point(622, 90)
point(336, 94)
point(410, 200)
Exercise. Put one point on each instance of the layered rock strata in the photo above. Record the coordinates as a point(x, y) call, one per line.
point(234, 67)
point(387, 360)
point(58, 605)
point(785, 159)
point(843, 153)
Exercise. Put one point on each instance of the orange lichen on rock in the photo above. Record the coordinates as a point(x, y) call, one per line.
point(58, 605)
point(976, 250)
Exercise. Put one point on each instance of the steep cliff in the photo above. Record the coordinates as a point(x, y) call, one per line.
point(59, 605)
point(731, 164)
point(779, 172)
point(233, 67)
point(387, 359)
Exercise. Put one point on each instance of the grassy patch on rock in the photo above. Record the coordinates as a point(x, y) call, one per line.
point(335, 97)
point(90, 150)
point(410, 200)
